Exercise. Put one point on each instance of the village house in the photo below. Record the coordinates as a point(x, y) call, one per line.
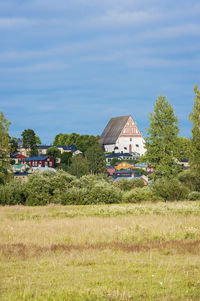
point(123, 165)
point(21, 176)
point(121, 156)
point(122, 135)
point(42, 149)
point(39, 161)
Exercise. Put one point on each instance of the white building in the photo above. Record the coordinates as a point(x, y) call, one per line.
point(121, 135)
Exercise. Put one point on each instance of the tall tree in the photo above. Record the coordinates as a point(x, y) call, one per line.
point(195, 141)
point(96, 159)
point(79, 166)
point(29, 141)
point(5, 167)
point(55, 153)
point(161, 140)
point(13, 144)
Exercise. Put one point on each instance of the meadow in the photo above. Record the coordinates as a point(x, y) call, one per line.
point(147, 251)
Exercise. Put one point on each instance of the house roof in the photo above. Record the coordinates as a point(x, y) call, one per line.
point(36, 158)
point(117, 155)
point(18, 165)
point(44, 146)
point(43, 168)
point(72, 148)
point(121, 162)
point(113, 130)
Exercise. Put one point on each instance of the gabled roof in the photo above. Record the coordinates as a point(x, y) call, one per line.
point(36, 158)
point(113, 130)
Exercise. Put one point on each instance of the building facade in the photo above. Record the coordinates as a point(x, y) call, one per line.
point(122, 135)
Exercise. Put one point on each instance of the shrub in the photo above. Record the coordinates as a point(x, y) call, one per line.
point(126, 185)
point(72, 196)
point(12, 193)
point(103, 192)
point(170, 189)
point(190, 180)
point(138, 195)
point(193, 196)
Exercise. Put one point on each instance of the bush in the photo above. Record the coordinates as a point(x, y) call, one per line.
point(13, 193)
point(126, 185)
point(190, 180)
point(105, 193)
point(72, 196)
point(194, 195)
point(138, 195)
point(170, 189)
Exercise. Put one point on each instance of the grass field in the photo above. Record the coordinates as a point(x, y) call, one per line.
point(106, 252)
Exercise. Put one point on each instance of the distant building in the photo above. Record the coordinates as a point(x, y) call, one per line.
point(121, 156)
point(42, 149)
point(122, 135)
point(39, 161)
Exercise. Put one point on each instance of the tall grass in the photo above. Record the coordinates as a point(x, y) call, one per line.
point(123, 252)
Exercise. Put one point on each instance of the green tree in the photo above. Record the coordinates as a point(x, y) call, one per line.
point(66, 158)
point(38, 140)
point(29, 141)
point(183, 148)
point(194, 158)
point(79, 166)
point(13, 144)
point(55, 153)
point(5, 167)
point(161, 140)
point(96, 159)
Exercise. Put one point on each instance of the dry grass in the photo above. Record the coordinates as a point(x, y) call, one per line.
point(132, 252)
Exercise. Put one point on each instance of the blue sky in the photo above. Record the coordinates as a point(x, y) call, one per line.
point(69, 65)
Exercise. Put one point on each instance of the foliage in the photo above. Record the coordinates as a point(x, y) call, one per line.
point(194, 157)
point(82, 142)
point(170, 189)
point(161, 139)
point(126, 185)
point(79, 166)
point(190, 180)
point(13, 145)
point(66, 158)
point(12, 193)
point(29, 141)
point(138, 195)
point(5, 167)
point(114, 161)
point(96, 159)
point(54, 152)
point(183, 148)
point(38, 140)
point(193, 196)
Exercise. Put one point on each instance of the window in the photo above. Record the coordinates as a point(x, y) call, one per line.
point(33, 163)
point(130, 139)
point(50, 163)
point(137, 145)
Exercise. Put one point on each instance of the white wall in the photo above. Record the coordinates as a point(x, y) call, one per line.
point(124, 142)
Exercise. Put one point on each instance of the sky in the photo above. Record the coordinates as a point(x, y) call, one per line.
point(70, 65)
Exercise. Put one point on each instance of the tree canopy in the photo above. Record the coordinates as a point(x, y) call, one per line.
point(195, 141)
point(161, 140)
point(55, 153)
point(82, 142)
point(29, 141)
point(96, 159)
point(5, 148)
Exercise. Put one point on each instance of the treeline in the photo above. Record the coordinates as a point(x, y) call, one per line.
point(82, 142)
point(62, 188)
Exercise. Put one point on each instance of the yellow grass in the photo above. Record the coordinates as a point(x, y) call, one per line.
point(123, 252)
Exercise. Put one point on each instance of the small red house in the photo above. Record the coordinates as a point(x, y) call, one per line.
point(21, 157)
point(39, 161)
